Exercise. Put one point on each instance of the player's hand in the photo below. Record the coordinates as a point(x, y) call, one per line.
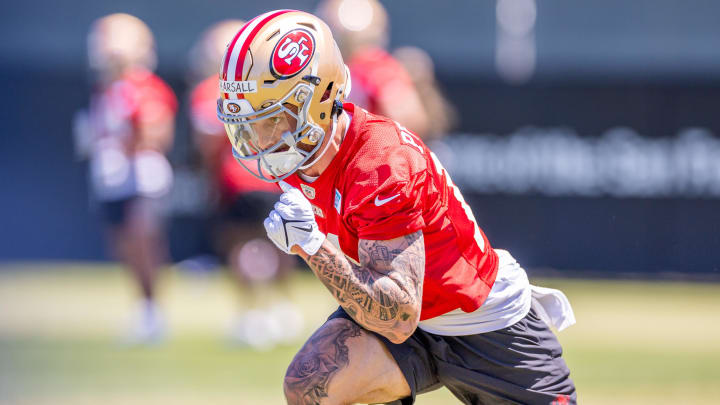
point(292, 223)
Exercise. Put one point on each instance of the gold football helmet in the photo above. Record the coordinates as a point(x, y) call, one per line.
point(119, 42)
point(282, 84)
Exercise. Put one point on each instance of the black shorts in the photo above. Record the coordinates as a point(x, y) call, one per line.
point(520, 364)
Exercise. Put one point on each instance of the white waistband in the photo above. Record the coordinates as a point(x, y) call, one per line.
point(509, 301)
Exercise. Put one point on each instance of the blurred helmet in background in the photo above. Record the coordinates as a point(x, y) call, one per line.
point(356, 24)
point(207, 52)
point(284, 71)
point(421, 69)
point(417, 62)
point(118, 43)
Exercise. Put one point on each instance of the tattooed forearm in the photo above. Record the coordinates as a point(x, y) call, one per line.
point(323, 356)
point(384, 293)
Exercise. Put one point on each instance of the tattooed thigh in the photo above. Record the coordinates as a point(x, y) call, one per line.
point(343, 363)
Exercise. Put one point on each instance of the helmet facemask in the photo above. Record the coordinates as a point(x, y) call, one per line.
point(285, 156)
point(285, 67)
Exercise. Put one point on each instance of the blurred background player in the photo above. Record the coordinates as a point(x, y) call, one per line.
point(240, 202)
point(421, 69)
point(400, 85)
point(380, 84)
point(125, 134)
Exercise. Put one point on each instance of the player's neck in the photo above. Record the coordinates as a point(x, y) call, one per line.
point(335, 141)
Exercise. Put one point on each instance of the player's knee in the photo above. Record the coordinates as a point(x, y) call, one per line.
point(305, 392)
point(292, 394)
point(301, 390)
point(320, 365)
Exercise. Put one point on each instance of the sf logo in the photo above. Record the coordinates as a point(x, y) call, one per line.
point(290, 50)
point(292, 53)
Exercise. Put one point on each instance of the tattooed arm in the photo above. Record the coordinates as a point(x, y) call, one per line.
point(383, 293)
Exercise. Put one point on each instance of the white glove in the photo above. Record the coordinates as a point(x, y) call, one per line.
point(292, 222)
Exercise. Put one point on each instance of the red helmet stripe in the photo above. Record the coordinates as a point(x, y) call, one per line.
point(230, 48)
point(244, 36)
point(248, 41)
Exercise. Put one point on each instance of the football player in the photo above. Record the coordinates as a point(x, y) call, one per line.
point(424, 299)
point(125, 133)
point(241, 202)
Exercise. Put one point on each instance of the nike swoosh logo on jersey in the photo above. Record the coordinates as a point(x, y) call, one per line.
point(380, 202)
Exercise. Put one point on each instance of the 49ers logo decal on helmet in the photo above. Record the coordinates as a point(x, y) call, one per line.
point(292, 53)
point(233, 108)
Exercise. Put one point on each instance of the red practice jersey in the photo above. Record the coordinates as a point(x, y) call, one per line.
point(385, 183)
point(232, 178)
point(139, 96)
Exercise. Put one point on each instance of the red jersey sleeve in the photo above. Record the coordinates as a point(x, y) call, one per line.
point(388, 201)
point(395, 211)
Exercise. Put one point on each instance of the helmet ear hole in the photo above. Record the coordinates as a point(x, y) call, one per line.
point(328, 91)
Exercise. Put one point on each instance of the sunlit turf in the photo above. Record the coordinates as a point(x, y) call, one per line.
point(635, 342)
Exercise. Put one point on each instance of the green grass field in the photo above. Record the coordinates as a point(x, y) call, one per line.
point(635, 342)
